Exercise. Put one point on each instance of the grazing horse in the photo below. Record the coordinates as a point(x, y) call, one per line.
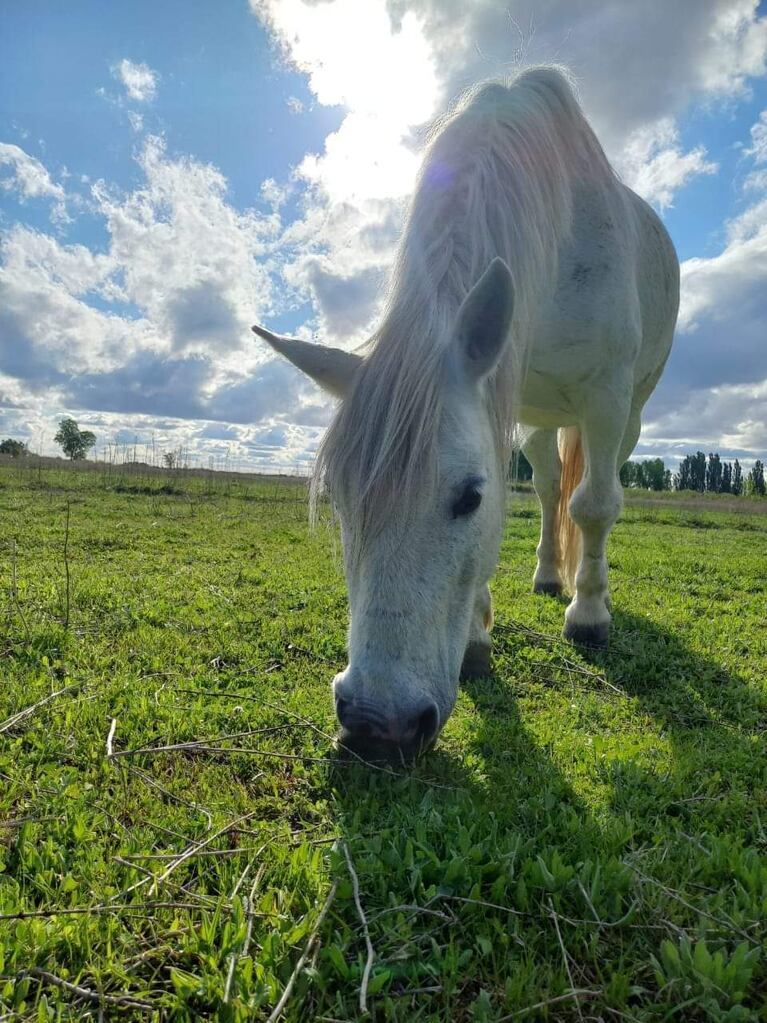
point(533, 298)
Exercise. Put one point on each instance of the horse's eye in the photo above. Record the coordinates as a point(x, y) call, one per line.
point(468, 502)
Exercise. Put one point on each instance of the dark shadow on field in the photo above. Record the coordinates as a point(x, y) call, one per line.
point(714, 719)
point(490, 818)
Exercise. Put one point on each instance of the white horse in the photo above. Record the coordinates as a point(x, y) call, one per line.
point(533, 293)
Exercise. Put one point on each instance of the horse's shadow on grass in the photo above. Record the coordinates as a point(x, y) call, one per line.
point(496, 830)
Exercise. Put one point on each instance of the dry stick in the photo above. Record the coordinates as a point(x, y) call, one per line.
point(251, 913)
point(365, 931)
point(15, 592)
point(203, 744)
point(12, 721)
point(565, 957)
point(277, 1010)
point(137, 909)
point(192, 850)
point(575, 993)
point(110, 738)
point(203, 901)
point(66, 570)
point(727, 924)
point(149, 780)
point(131, 858)
point(125, 1001)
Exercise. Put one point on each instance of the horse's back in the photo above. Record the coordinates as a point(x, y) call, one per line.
point(612, 311)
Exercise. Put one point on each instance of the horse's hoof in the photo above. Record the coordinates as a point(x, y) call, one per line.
point(476, 661)
point(548, 589)
point(587, 635)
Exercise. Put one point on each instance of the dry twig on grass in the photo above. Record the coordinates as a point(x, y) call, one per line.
point(121, 1001)
point(15, 719)
point(565, 957)
point(277, 1010)
point(194, 849)
point(365, 930)
point(576, 994)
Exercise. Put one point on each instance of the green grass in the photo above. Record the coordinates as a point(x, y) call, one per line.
point(591, 823)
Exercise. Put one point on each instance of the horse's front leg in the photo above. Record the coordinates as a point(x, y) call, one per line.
point(476, 660)
point(594, 507)
point(540, 448)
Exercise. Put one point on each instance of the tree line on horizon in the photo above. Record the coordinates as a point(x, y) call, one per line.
point(696, 472)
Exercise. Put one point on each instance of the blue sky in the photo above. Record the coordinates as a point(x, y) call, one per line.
point(171, 172)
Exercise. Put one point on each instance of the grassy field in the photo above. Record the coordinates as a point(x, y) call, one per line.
point(179, 842)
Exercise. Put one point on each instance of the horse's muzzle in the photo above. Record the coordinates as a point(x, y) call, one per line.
point(374, 734)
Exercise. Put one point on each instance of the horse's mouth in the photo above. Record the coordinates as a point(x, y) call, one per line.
point(376, 752)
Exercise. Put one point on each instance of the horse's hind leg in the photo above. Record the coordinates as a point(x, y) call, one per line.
point(476, 659)
point(594, 507)
point(540, 447)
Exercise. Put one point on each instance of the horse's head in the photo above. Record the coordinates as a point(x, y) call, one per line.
point(420, 495)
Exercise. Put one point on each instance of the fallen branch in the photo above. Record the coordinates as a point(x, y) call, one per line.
point(123, 1001)
point(584, 994)
point(110, 738)
point(198, 744)
point(277, 1010)
point(193, 850)
point(365, 930)
point(565, 957)
point(12, 721)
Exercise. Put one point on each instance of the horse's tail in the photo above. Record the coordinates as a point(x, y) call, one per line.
point(571, 456)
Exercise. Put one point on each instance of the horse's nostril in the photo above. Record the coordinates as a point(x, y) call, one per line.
point(342, 710)
point(427, 723)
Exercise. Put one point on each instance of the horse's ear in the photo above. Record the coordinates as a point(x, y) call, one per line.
point(484, 320)
point(331, 368)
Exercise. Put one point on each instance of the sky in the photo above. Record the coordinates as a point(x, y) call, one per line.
point(172, 172)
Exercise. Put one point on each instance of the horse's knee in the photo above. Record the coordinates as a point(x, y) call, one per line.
point(592, 510)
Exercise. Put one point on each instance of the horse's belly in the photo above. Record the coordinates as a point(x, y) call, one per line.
point(545, 419)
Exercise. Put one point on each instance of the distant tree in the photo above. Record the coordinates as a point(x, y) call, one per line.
point(737, 478)
point(726, 485)
point(714, 474)
point(521, 469)
point(654, 473)
point(699, 471)
point(15, 448)
point(75, 443)
point(755, 480)
point(692, 473)
point(170, 459)
point(650, 474)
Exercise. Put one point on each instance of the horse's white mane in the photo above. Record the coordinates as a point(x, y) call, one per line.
point(497, 180)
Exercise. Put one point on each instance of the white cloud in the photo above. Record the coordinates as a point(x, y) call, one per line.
point(159, 322)
point(729, 418)
point(139, 80)
point(386, 80)
point(29, 179)
point(189, 260)
point(654, 165)
point(713, 388)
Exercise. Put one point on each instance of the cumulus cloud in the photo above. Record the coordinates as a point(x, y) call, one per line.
point(159, 322)
point(714, 384)
point(27, 178)
point(654, 165)
point(139, 80)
